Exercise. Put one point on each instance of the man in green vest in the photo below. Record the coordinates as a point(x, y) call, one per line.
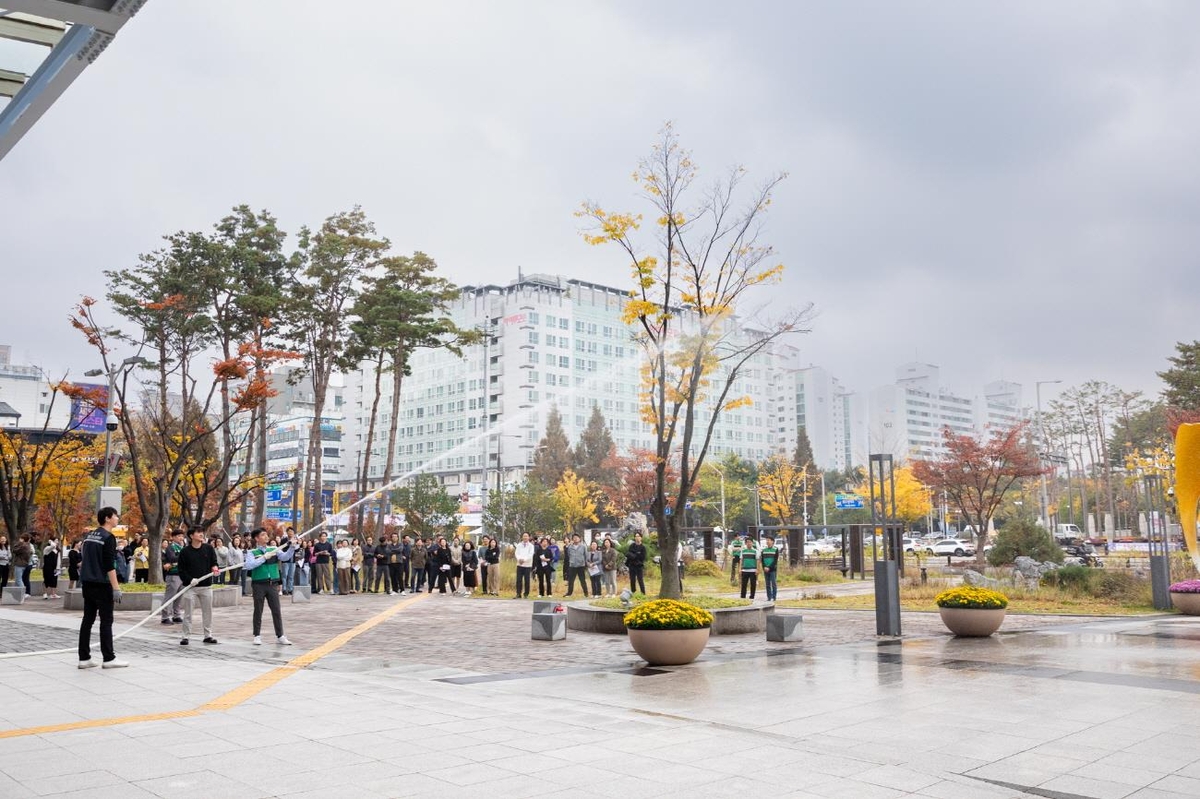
point(263, 565)
point(769, 557)
point(735, 558)
point(749, 564)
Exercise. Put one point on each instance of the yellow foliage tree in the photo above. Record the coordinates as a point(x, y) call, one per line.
point(780, 482)
point(62, 493)
point(912, 497)
point(683, 307)
point(577, 501)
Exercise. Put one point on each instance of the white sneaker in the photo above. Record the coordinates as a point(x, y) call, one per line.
point(88, 664)
point(257, 640)
point(115, 664)
point(389, 593)
point(283, 641)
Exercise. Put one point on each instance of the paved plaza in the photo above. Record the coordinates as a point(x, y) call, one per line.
point(442, 696)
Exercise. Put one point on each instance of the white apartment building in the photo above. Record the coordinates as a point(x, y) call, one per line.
point(834, 418)
point(27, 393)
point(289, 428)
point(907, 417)
point(552, 342)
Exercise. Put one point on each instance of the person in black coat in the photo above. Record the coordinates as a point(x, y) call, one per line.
point(635, 560)
point(442, 562)
point(543, 566)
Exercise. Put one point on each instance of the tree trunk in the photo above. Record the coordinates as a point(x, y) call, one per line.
point(393, 429)
point(316, 452)
point(363, 475)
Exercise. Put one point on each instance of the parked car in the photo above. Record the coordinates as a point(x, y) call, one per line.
point(823, 547)
point(952, 546)
point(911, 546)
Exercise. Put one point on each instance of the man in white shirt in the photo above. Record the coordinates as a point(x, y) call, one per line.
point(524, 557)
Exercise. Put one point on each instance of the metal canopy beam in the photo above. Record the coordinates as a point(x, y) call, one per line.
point(30, 29)
point(45, 86)
point(11, 82)
point(93, 23)
point(101, 18)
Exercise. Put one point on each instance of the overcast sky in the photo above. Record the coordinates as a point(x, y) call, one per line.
point(1008, 190)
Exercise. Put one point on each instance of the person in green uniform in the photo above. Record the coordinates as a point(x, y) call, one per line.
point(263, 566)
point(769, 557)
point(735, 559)
point(749, 563)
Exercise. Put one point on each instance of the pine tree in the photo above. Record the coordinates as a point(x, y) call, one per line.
point(1183, 378)
point(594, 447)
point(553, 457)
point(804, 452)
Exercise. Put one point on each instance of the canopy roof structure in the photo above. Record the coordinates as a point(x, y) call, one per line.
point(44, 46)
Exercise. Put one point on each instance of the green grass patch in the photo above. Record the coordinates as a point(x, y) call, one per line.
point(143, 588)
point(1046, 600)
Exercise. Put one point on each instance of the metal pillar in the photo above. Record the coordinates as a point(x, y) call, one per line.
point(1156, 537)
point(882, 480)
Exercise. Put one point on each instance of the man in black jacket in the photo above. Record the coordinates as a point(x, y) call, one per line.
point(635, 559)
point(197, 565)
point(98, 576)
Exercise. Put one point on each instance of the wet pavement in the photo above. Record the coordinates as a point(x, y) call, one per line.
point(448, 696)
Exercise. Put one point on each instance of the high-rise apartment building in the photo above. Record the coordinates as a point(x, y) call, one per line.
point(550, 342)
point(907, 417)
point(833, 418)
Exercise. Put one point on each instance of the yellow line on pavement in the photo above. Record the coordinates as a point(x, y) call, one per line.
point(265, 681)
point(83, 725)
point(238, 695)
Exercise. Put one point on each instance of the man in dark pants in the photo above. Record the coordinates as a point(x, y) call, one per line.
point(576, 558)
point(635, 559)
point(368, 565)
point(98, 577)
point(263, 567)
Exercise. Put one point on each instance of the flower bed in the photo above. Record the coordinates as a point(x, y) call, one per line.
point(973, 598)
point(1186, 587)
point(667, 614)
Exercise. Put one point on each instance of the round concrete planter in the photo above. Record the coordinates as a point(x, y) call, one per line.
point(669, 647)
point(972, 622)
point(585, 617)
point(1186, 603)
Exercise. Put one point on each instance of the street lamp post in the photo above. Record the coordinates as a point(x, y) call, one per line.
point(1045, 509)
point(110, 418)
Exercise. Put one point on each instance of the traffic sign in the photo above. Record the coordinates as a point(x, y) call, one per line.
point(281, 476)
point(274, 495)
point(847, 501)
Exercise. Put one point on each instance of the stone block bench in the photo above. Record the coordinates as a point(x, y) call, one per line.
point(143, 601)
point(784, 627)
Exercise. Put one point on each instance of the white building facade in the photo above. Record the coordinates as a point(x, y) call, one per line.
point(833, 417)
point(551, 342)
point(28, 394)
point(907, 417)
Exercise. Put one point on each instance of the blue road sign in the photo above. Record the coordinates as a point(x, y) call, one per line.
point(274, 495)
point(847, 501)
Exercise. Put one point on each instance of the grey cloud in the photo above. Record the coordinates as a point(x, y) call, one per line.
point(1003, 189)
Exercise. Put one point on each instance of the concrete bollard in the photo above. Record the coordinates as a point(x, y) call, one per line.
point(301, 594)
point(549, 626)
point(13, 595)
point(784, 627)
point(545, 605)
